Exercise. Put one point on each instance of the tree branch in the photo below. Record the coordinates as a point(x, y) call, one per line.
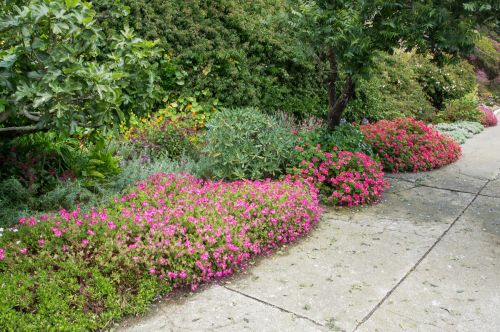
point(31, 116)
point(18, 131)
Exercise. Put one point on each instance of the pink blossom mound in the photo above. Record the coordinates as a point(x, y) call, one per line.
point(344, 178)
point(181, 229)
point(408, 145)
point(488, 118)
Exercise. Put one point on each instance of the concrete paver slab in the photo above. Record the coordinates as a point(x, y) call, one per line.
point(492, 188)
point(457, 286)
point(219, 309)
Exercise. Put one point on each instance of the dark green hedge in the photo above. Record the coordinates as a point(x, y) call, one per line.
point(241, 51)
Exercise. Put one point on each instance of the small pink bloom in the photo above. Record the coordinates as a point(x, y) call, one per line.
point(57, 232)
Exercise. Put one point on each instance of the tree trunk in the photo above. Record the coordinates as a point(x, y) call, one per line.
point(336, 105)
point(332, 81)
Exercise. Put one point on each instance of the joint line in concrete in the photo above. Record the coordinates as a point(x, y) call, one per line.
point(273, 306)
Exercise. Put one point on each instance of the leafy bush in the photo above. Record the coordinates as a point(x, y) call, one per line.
point(343, 178)
point(487, 56)
point(346, 137)
point(81, 271)
point(40, 159)
point(16, 200)
point(488, 118)
point(157, 138)
point(245, 143)
point(391, 91)
point(60, 71)
point(442, 83)
point(460, 131)
point(410, 145)
point(239, 51)
point(143, 167)
point(463, 109)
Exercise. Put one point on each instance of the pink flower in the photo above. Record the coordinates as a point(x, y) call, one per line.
point(41, 242)
point(85, 242)
point(57, 232)
point(2, 254)
point(23, 251)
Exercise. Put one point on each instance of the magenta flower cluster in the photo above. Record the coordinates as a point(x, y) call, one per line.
point(408, 145)
point(344, 178)
point(488, 117)
point(179, 228)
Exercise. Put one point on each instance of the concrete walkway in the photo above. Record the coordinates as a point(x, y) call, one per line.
point(427, 258)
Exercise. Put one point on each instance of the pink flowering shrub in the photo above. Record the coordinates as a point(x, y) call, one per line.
point(78, 270)
point(488, 118)
point(409, 145)
point(343, 178)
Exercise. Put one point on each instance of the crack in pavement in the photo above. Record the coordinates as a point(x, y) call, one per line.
point(417, 185)
point(274, 306)
point(414, 267)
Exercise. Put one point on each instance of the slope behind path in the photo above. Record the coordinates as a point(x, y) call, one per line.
point(427, 258)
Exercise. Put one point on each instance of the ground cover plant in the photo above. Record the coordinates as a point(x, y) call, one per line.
point(408, 145)
point(460, 131)
point(77, 270)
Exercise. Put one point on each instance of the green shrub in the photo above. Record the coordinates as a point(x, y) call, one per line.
point(16, 200)
point(443, 83)
point(61, 71)
point(487, 57)
point(143, 167)
point(245, 143)
point(163, 141)
point(240, 51)
point(463, 109)
point(345, 137)
point(391, 91)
